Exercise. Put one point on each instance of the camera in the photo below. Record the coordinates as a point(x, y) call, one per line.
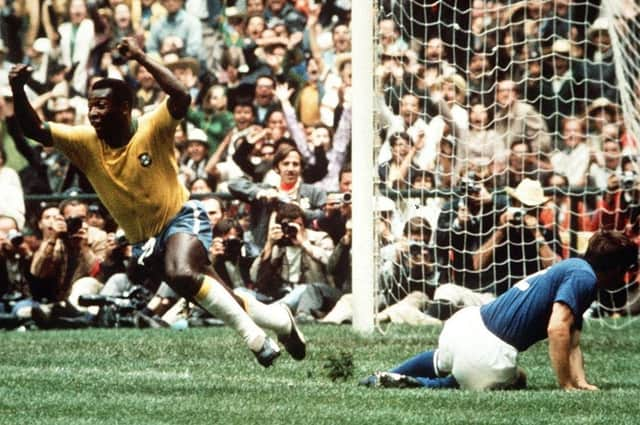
point(117, 58)
point(117, 311)
point(417, 248)
point(15, 237)
point(468, 185)
point(517, 214)
point(290, 232)
point(73, 225)
point(120, 239)
point(232, 249)
point(628, 180)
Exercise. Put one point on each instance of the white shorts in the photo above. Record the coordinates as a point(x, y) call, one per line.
point(461, 296)
point(477, 358)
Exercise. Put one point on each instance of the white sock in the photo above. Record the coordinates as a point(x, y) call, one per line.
point(271, 316)
point(214, 298)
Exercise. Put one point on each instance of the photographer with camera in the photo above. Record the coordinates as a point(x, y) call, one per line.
point(337, 210)
point(15, 284)
point(464, 224)
point(519, 245)
point(619, 207)
point(68, 263)
point(228, 254)
point(292, 266)
point(409, 275)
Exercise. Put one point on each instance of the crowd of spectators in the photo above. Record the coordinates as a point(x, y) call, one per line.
point(501, 131)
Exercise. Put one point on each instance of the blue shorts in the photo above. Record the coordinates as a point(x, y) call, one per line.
point(192, 219)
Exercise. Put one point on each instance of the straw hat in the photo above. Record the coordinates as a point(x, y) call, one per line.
point(602, 103)
point(173, 62)
point(561, 46)
point(529, 193)
point(600, 24)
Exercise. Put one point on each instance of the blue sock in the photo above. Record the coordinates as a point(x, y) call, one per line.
point(446, 382)
point(419, 366)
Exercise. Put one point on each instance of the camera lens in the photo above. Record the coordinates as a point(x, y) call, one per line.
point(73, 225)
point(16, 238)
point(346, 197)
point(415, 249)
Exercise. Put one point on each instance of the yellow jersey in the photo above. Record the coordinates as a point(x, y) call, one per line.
point(138, 183)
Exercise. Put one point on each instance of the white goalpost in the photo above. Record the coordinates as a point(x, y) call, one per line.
point(363, 265)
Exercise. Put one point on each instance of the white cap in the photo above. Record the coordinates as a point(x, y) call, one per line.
point(561, 46)
point(600, 24)
point(197, 135)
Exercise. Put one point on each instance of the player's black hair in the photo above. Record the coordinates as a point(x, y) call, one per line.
point(608, 250)
point(122, 93)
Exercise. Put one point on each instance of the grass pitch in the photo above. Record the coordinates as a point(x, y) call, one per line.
point(206, 376)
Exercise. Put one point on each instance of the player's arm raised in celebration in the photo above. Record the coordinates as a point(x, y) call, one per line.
point(564, 349)
point(179, 98)
point(30, 122)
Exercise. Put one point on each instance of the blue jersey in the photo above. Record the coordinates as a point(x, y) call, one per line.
point(521, 315)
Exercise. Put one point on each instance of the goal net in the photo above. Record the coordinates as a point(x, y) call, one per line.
point(506, 134)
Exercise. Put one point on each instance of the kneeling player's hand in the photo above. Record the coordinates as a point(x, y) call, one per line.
point(586, 386)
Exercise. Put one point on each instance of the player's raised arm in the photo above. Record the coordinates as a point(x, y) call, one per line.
point(31, 124)
point(179, 98)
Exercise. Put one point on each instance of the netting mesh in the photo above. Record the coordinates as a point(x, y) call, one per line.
point(507, 135)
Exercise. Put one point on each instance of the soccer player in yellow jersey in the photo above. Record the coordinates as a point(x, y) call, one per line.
point(132, 167)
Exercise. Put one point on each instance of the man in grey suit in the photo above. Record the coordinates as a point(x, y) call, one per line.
point(264, 198)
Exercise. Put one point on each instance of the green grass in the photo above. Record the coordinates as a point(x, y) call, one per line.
point(205, 376)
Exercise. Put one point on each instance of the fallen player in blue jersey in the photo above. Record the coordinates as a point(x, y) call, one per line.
point(478, 347)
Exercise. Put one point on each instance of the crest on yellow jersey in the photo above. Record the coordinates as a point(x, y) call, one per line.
point(145, 159)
